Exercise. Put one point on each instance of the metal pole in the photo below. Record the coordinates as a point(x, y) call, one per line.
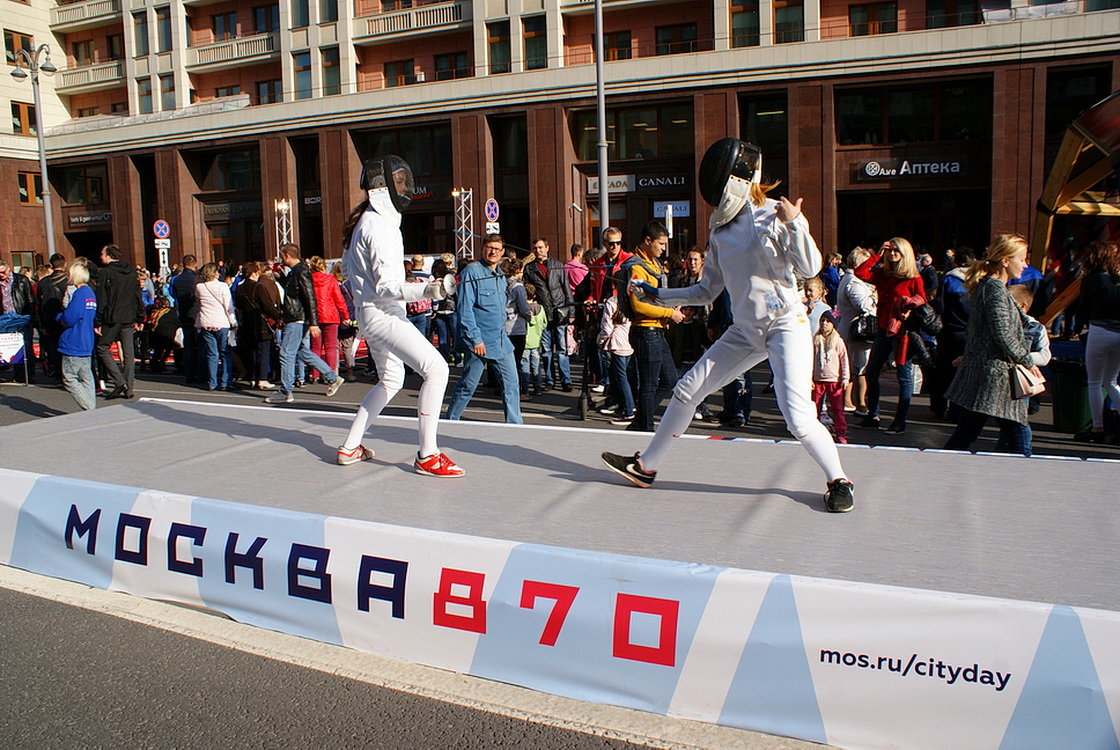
point(32, 62)
point(601, 106)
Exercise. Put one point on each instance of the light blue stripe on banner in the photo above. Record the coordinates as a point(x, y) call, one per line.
point(267, 590)
point(773, 689)
point(624, 640)
point(1061, 704)
point(41, 531)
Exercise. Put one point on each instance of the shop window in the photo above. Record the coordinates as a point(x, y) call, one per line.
point(873, 18)
point(301, 13)
point(745, 24)
point(789, 21)
point(163, 29)
point(946, 13)
point(269, 92)
point(943, 111)
point(83, 185)
point(236, 169)
point(672, 40)
point(30, 188)
point(23, 119)
point(617, 45)
point(765, 123)
point(645, 132)
point(328, 11)
point(14, 40)
point(144, 95)
point(224, 26)
point(223, 91)
point(332, 73)
point(302, 64)
point(536, 42)
point(452, 65)
point(427, 149)
point(399, 73)
point(1069, 92)
point(83, 53)
point(114, 46)
point(498, 45)
point(266, 18)
point(140, 29)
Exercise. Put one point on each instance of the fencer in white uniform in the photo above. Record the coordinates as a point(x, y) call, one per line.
point(374, 265)
point(758, 248)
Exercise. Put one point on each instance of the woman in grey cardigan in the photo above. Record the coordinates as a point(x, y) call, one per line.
point(994, 343)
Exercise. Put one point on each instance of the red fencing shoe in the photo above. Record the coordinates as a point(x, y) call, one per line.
point(437, 465)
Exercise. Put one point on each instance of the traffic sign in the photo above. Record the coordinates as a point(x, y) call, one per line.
point(491, 210)
point(493, 228)
point(163, 243)
point(161, 229)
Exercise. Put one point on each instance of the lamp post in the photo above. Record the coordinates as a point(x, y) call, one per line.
point(30, 61)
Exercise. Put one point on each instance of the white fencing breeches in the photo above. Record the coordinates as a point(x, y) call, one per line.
point(394, 342)
point(789, 345)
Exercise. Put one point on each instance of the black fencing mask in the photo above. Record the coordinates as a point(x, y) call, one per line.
point(392, 173)
point(729, 167)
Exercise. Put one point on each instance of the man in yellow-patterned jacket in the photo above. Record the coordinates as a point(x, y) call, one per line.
point(654, 361)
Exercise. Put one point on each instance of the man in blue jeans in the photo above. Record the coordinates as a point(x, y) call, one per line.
point(482, 333)
point(551, 280)
point(301, 322)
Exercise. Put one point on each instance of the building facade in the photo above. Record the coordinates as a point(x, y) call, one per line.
point(930, 119)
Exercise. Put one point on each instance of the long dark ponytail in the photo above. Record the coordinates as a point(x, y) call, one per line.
point(351, 222)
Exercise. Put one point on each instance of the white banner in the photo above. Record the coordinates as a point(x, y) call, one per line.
point(849, 664)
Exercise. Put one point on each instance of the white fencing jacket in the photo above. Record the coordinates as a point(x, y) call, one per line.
point(374, 262)
point(758, 259)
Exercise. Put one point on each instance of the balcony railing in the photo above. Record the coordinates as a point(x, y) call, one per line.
point(241, 49)
point(88, 13)
point(414, 19)
point(99, 75)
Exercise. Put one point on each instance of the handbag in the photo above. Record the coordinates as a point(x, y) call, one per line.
point(864, 328)
point(1024, 382)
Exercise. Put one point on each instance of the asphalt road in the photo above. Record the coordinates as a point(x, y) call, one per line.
point(82, 667)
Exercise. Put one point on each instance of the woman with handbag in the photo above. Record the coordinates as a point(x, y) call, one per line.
point(994, 345)
point(855, 300)
point(216, 316)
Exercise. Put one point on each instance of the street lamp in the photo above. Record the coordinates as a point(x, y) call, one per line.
point(31, 61)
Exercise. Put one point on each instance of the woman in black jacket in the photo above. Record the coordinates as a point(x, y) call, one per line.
point(255, 336)
point(1100, 306)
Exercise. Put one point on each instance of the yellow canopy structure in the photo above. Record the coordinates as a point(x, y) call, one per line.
point(1089, 153)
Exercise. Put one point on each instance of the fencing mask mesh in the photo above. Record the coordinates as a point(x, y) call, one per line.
point(727, 171)
point(392, 173)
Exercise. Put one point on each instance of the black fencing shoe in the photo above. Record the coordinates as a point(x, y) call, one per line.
point(838, 499)
point(629, 467)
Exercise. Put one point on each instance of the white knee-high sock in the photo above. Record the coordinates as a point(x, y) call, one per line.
point(678, 415)
point(821, 447)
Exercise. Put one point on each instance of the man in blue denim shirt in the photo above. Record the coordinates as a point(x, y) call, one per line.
point(481, 331)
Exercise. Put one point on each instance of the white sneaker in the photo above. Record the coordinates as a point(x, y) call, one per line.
point(333, 387)
point(352, 456)
point(264, 385)
point(280, 398)
point(599, 389)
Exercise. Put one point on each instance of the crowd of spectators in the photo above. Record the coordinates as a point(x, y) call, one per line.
point(948, 328)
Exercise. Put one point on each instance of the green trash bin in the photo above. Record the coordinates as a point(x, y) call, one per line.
point(1070, 394)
